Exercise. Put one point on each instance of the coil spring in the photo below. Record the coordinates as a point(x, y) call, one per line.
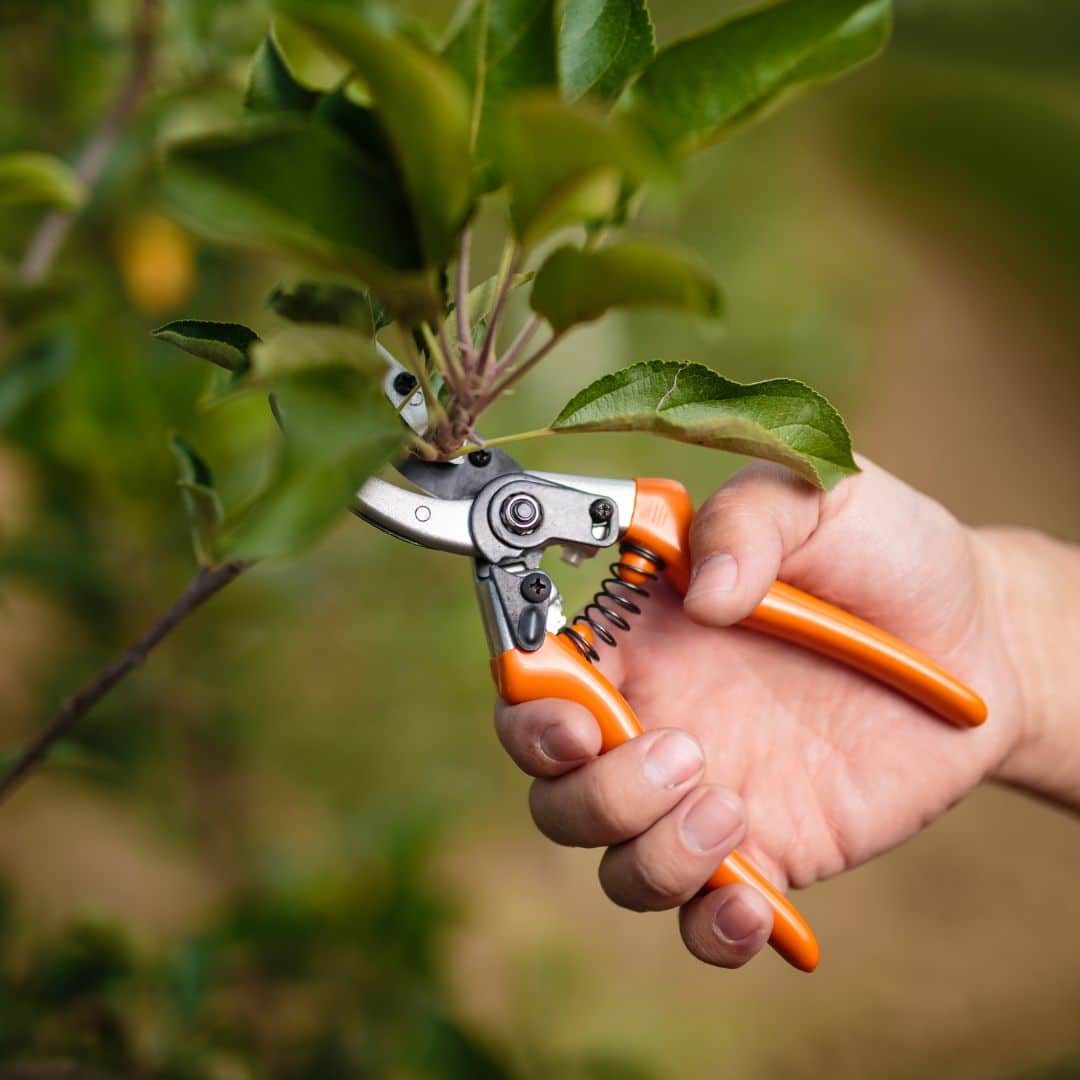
point(647, 566)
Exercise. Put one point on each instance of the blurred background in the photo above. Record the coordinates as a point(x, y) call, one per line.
point(291, 846)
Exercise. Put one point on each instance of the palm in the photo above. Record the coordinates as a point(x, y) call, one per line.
point(834, 768)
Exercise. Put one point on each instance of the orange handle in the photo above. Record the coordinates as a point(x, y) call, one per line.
point(661, 523)
point(557, 670)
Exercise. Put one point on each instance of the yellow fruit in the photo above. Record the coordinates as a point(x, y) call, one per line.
point(157, 263)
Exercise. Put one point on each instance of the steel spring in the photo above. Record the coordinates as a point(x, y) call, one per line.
point(625, 600)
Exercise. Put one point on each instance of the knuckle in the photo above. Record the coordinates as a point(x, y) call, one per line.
point(658, 879)
point(608, 817)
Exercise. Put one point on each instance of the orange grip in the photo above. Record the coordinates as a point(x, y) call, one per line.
point(557, 670)
point(661, 522)
point(798, 617)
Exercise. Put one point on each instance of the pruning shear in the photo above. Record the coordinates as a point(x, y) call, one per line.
point(487, 507)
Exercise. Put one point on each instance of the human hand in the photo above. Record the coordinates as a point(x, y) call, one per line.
point(808, 767)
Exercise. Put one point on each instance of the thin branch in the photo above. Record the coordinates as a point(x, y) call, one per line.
point(507, 268)
point(503, 440)
point(522, 369)
point(50, 235)
point(204, 585)
point(516, 346)
point(462, 295)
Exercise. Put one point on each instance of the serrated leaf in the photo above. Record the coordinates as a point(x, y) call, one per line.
point(339, 428)
point(699, 89)
point(567, 164)
point(29, 178)
point(228, 345)
point(331, 304)
point(422, 105)
point(603, 44)
point(575, 286)
point(201, 502)
point(304, 190)
point(271, 87)
point(500, 48)
point(780, 420)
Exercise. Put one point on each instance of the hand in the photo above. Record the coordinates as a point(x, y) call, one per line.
point(808, 767)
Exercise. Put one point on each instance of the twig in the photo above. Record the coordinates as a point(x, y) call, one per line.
point(462, 297)
point(502, 440)
point(50, 235)
point(521, 370)
point(507, 268)
point(514, 350)
point(205, 584)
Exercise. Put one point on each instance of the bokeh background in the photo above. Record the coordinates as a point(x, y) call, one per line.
point(290, 846)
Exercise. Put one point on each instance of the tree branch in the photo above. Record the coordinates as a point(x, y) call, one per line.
point(204, 585)
point(50, 235)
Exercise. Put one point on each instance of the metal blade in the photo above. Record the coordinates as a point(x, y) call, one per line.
point(462, 478)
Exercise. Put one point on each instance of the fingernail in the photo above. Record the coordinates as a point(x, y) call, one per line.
point(735, 920)
point(672, 760)
point(714, 818)
point(717, 574)
point(561, 744)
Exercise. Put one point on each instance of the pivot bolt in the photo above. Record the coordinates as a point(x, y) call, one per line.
point(480, 458)
point(601, 511)
point(521, 514)
point(535, 587)
point(404, 383)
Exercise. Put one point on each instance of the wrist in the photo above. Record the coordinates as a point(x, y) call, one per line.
point(1032, 586)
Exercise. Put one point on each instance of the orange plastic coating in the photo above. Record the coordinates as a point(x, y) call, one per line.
point(558, 670)
point(661, 522)
point(798, 617)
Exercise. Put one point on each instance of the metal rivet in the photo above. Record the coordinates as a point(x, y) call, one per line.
point(423, 513)
point(404, 383)
point(521, 514)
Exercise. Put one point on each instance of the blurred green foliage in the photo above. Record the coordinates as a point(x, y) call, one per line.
point(350, 690)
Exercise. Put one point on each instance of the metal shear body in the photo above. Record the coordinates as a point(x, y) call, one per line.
point(486, 507)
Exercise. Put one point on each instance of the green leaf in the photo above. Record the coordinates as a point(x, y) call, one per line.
point(223, 343)
point(500, 48)
point(699, 89)
point(30, 178)
point(303, 348)
point(331, 304)
point(339, 429)
point(201, 502)
point(423, 107)
point(309, 65)
point(603, 44)
point(568, 164)
point(271, 86)
point(780, 419)
point(575, 286)
point(304, 190)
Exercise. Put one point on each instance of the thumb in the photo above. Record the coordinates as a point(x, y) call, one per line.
point(740, 537)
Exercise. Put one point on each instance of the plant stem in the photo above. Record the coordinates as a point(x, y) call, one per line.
point(90, 165)
point(462, 296)
point(522, 369)
point(517, 345)
point(502, 287)
point(202, 586)
point(502, 440)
